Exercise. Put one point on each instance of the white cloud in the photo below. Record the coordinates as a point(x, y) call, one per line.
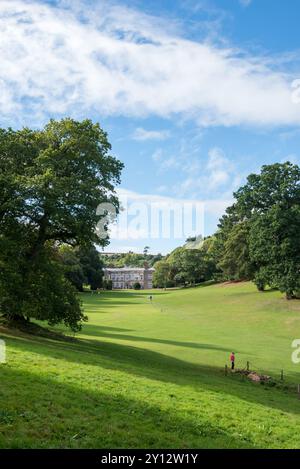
point(162, 188)
point(157, 155)
point(289, 134)
point(184, 156)
point(201, 174)
point(170, 163)
point(141, 134)
point(216, 175)
point(245, 3)
point(219, 168)
point(80, 58)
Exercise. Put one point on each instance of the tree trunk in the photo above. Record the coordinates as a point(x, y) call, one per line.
point(15, 317)
point(289, 295)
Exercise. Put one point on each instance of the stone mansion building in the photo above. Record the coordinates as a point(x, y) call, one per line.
point(126, 277)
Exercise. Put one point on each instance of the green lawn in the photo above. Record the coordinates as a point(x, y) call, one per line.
point(152, 375)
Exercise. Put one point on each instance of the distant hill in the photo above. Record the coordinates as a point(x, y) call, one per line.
point(129, 259)
point(194, 243)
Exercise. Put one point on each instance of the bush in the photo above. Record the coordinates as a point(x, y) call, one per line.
point(107, 284)
point(170, 284)
point(137, 286)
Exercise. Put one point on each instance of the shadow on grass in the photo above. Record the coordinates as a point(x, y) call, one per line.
point(120, 294)
point(105, 328)
point(156, 366)
point(40, 412)
point(99, 331)
point(115, 299)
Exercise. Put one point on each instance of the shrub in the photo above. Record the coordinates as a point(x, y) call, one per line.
point(107, 284)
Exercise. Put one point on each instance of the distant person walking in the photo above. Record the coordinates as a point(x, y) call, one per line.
point(150, 297)
point(232, 359)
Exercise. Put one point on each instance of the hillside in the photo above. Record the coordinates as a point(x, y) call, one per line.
point(152, 375)
point(194, 243)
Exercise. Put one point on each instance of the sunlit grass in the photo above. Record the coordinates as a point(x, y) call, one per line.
point(145, 374)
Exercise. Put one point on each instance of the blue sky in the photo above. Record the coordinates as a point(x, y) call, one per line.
point(194, 95)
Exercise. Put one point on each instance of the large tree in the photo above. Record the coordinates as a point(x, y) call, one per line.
point(82, 265)
point(51, 183)
point(92, 266)
point(235, 261)
point(263, 227)
point(161, 274)
point(72, 266)
point(189, 265)
point(275, 247)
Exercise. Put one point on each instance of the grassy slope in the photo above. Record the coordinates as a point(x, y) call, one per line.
point(150, 375)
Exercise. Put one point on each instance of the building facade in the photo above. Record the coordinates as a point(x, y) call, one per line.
point(126, 277)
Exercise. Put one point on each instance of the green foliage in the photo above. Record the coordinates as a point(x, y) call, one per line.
point(161, 274)
point(210, 250)
point(131, 259)
point(186, 266)
point(72, 266)
point(259, 235)
point(107, 284)
point(137, 286)
point(47, 294)
point(82, 266)
point(92, 266)
point(275, 247)
point(51, 183)
point(235, 261)
point(190, 265)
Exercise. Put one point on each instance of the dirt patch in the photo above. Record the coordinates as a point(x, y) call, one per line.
point(231, 283)
point(254, 376)
point(257, 378)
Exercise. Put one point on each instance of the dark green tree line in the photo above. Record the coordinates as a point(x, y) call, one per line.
point(260, 232)
point(258, 238)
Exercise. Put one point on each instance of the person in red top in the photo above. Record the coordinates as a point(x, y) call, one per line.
point(232, 359)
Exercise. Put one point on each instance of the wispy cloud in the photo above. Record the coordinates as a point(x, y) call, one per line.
point(141, 134)
point(185, 156)
point(218, 167)
point(79, 58)
point(157, 155)
point(245, 3)
point(292, 158)
point(217, 176)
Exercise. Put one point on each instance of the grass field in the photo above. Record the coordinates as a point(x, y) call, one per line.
point(152, 375)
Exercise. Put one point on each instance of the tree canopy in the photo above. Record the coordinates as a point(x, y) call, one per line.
point(258, 238)
point(51, 184)
point(260, 232)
